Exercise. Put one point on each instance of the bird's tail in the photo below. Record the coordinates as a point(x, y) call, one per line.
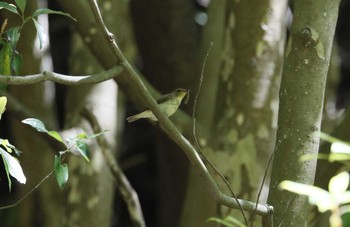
point(133, 118)
point(138, 116)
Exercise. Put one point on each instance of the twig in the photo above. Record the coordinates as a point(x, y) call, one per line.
point(127, 192)
point(175, 134)
point(61, 78)
point(28, 193)
point(270, 218)
point(196, 141)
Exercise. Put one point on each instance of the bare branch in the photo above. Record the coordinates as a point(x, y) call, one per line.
point(62, 79)
point(174, 133)
point(126, 190)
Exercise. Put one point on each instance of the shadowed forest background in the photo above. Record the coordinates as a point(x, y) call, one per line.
point(259, 94)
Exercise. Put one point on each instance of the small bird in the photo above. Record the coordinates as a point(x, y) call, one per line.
point(168, 104)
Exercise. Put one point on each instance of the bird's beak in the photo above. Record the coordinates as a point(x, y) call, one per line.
point(187, 96)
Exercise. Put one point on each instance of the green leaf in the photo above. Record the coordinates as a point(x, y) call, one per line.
point(5, 57)
point(13, 167)
point(3, 102)
point(21, 5)
point(82, 136)
point(329, 138)
point(49, 11)
point(35, 123)
point(40, 127)
point(10, 7)
point(16, 63)
point(61, 172)
point(9, 147)
point(83, 149)
point(228, 221)
point(5, 143)
point(13, 35)
point(41, 33)
point(55, 135)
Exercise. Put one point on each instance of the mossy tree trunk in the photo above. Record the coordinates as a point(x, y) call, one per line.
point(301, 101)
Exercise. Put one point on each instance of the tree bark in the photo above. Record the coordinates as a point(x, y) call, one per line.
point(301, 101)
point(238, 101)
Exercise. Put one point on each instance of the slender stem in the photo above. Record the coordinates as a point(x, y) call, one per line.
point(126, 190)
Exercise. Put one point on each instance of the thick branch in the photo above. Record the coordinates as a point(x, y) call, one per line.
point(62, 79)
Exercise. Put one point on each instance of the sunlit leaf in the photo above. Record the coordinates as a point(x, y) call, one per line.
point(35, 123)
point(338, 157)
point(329, 138)
point(7, 170)
point(340, 147)
point(61, 172)
point(339, 183)
point(3, 102)
point(228, 221)
point(10, 7)
point(82, 136)
point(317, 196)
point(21, 5)
point(221, 221)
point(14, 168)
point(7, 145)
point(49, 11)
point(83, 149)
point(343, 198)
point(55, 135)
point(235, 221)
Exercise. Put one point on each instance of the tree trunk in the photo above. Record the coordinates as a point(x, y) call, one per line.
point(238, 102)
point(301, 101)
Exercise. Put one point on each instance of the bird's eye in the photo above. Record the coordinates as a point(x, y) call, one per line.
point(178, 90)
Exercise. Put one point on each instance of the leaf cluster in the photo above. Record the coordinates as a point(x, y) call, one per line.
point(10, 59)
point(337, 195)
point(76, 145)
point(12, 166)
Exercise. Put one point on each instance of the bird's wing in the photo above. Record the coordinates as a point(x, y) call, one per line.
point(163, 98)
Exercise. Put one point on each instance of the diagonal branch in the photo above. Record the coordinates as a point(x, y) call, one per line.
point(126, 190)
point(172, 131)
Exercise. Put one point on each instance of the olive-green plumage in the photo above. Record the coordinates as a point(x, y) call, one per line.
point(168, 104)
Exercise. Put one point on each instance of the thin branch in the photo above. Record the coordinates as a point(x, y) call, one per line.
point(175, 134)
point(127, 192)
point(61, 78)
point(196, 141)
point(28, 193)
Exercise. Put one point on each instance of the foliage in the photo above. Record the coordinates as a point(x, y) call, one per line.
point(76, 145)
point(228, 221)
point(10, 59)
point(12, 166)
point(337, 196)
